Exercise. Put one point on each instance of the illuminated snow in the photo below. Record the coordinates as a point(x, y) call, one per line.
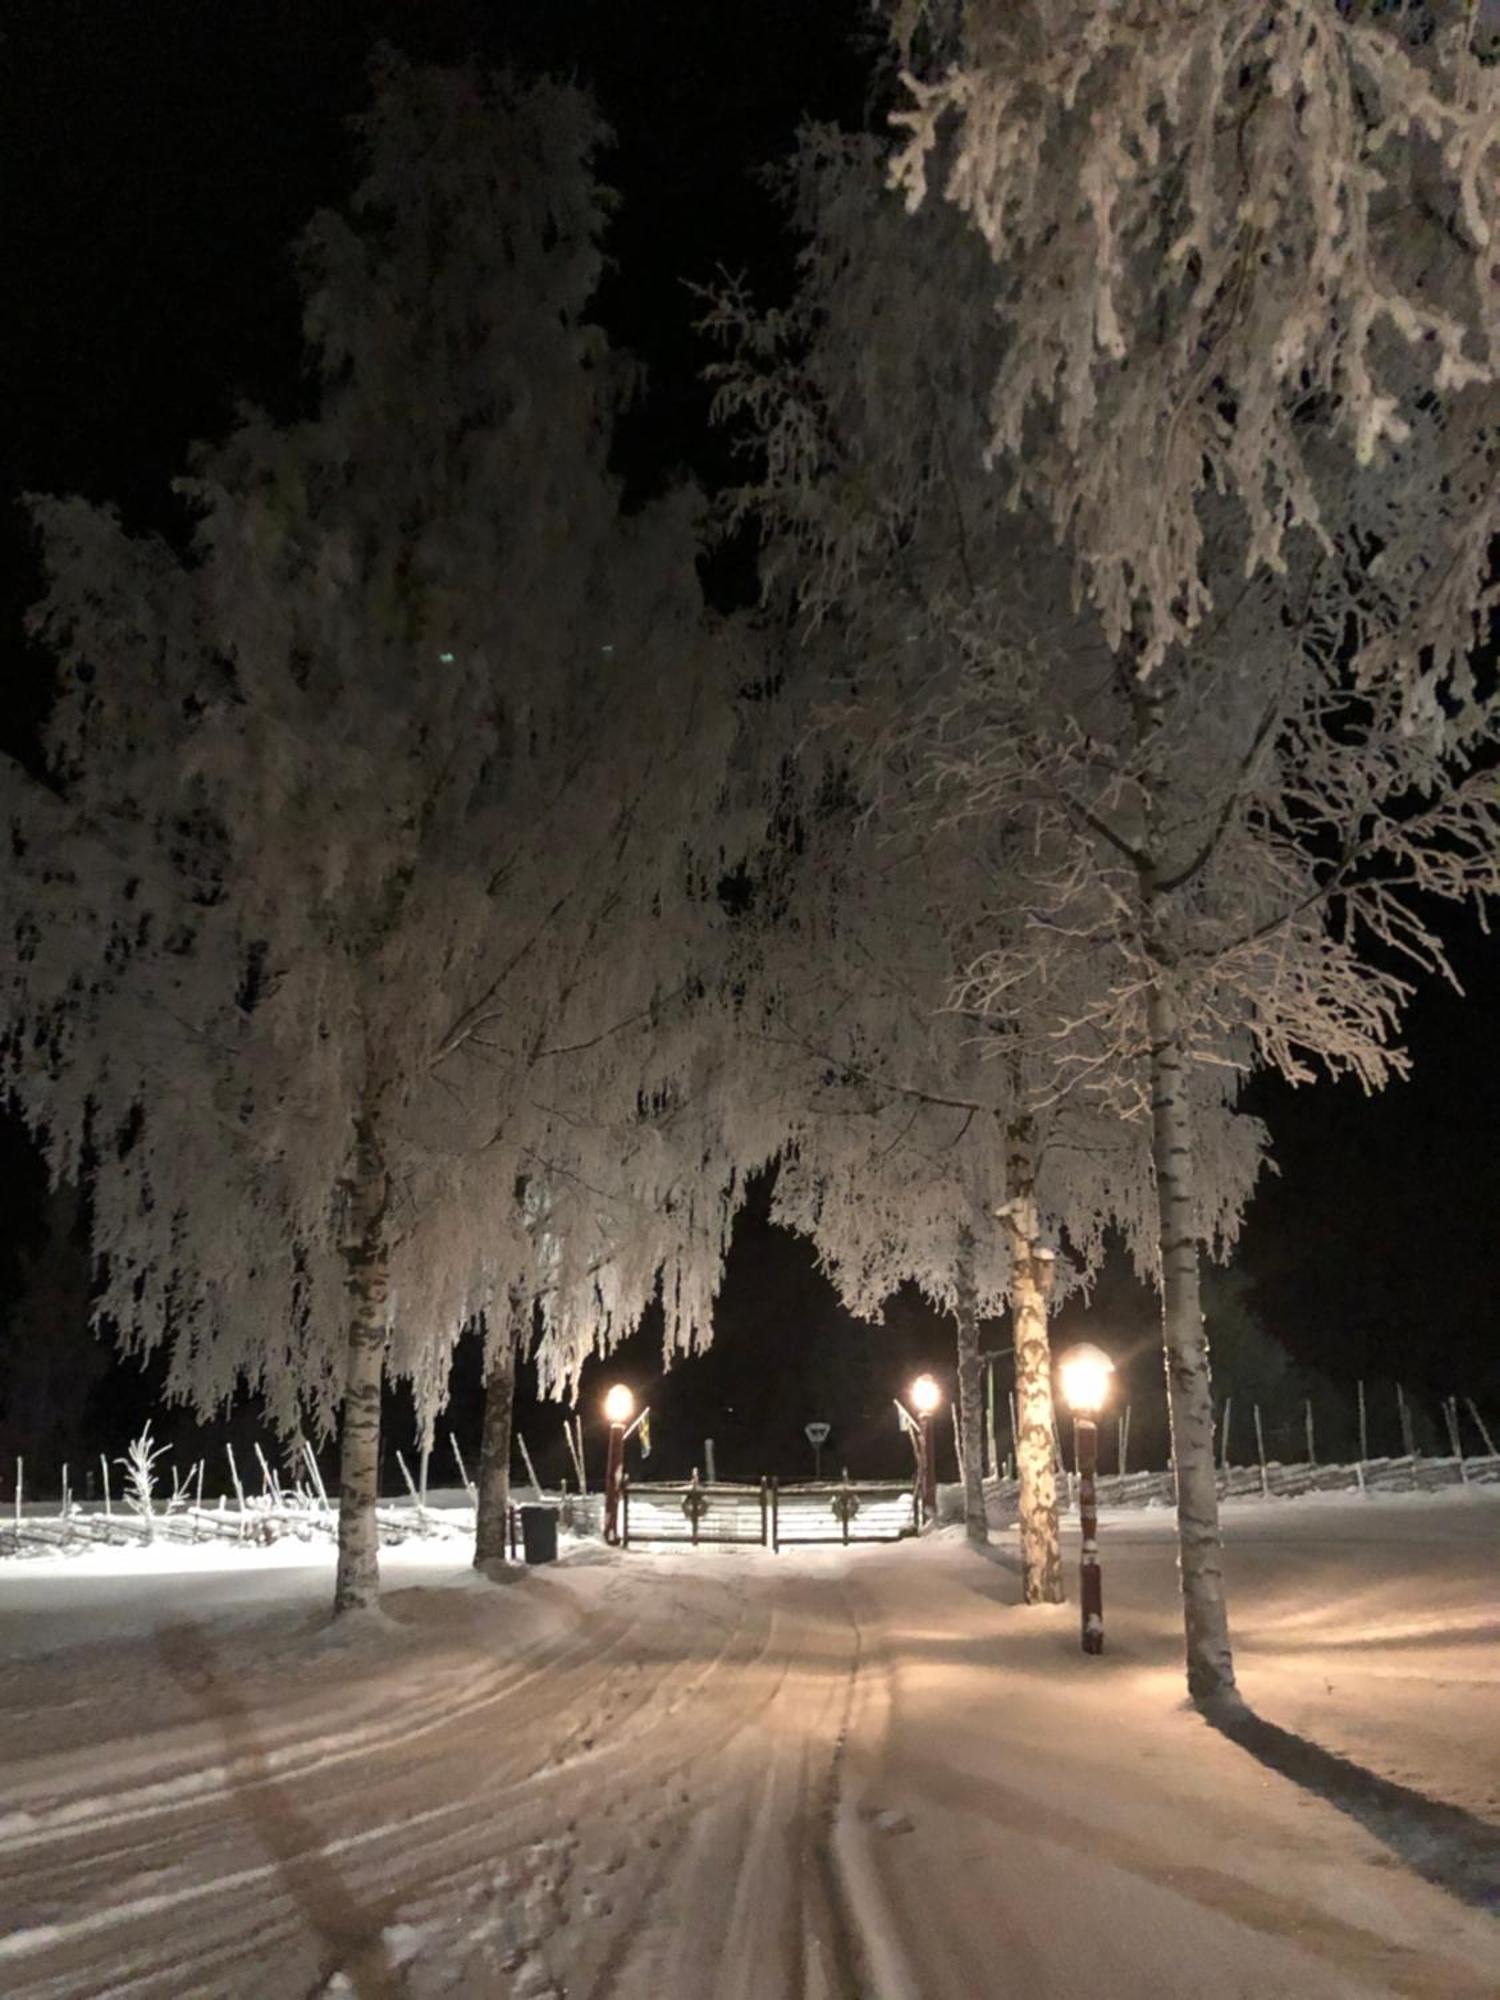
point(733, 1774)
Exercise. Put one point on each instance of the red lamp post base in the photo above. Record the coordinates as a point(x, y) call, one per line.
point(1090, 1580)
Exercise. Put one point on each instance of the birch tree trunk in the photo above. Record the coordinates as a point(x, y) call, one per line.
point(367, 1288)
point(1210, 1666)
point(491, 1542)
point(970, 1400)
point(1031, 1275)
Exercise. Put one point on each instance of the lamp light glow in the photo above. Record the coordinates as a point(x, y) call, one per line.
point(925, 1395)
point(1084, 1373)
point(619, 1404)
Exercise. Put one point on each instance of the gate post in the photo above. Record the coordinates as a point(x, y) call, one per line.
point(765, 1514)
point(625, 1510)
point(775, 1517)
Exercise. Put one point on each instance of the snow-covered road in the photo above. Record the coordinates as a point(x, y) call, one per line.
point(733, 1776)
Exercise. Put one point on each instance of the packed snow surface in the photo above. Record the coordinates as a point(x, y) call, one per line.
point(727, 1775)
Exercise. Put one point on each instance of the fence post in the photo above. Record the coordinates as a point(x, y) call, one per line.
point(765, 1513)
point(1312, 1455)
point(463, 1471)
point(624, 1510)
point(1479, 1425)
point(317, 1478)
point(990, 1413)
point(1408, 1441)
point(234, 1473)
point(1364, 1439)
point(536, 1484)
point(1124, 1439)
point(775, 1517)
point(1224, 1437)
point(1450, 1418)
point(572, 1443)
point(416, 1498)
point(1260, 1452)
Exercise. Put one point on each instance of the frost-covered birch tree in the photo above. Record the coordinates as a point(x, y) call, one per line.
point(362, 867)
point(1218, 865)
point(914, 1125)
point(615, 1218)
point(1233, 251)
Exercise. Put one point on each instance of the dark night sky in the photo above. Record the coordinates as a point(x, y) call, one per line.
point(156, 158)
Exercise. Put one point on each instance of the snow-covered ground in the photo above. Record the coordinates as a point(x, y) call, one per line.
point(727, 1775)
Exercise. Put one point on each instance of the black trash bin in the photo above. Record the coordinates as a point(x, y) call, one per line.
point(539, 1534)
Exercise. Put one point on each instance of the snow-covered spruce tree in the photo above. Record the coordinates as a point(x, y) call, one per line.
point(1234, 250)
point(1190, 873)
point(362, 862)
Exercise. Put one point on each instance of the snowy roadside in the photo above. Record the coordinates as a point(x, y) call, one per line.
point(91, 1592)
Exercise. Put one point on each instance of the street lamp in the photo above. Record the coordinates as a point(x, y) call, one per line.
point(1084, 1373)
point(619, 1407)
point(925, 1398)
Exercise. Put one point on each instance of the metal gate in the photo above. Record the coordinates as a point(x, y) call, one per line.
point(865, 1510)
point(765, 1516)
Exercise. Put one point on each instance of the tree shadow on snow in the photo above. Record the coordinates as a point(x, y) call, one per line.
point(993, 1552)
point(1452, 1848)
point(350, 1935)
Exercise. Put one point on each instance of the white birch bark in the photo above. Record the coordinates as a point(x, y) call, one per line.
point(491, 1543)
point(970, 1400)
point(357, 1581)
point(1210, 1666)
point(1031, 1266)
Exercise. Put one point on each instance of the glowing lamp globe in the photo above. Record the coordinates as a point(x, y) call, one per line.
point(619, 1404)
point(925, 1395)
point(1084, 1373)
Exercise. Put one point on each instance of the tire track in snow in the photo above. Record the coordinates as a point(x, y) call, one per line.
point(533, 1758)
point(736, 1903)
point(876, 1965)
point(195, 1810)
point(293, 1754)
point(205, 1816)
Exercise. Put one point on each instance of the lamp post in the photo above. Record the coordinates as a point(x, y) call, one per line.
point(925, 1397)
point(619, 1407)
point(1084, 1372)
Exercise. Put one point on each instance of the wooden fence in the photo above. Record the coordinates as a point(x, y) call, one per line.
point(1410, 1474)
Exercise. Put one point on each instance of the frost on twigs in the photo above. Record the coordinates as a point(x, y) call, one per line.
point(1252, 826)
point(1076, 903)
point(1218, 234)
point(139, 1464)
